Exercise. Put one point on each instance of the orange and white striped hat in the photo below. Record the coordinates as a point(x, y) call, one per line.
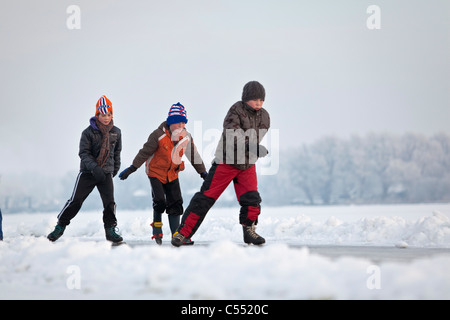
point(103, 106)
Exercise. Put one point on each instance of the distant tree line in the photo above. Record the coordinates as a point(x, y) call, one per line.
point(376, 168)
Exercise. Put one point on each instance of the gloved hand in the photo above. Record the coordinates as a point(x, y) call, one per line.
point(203, 175)
point(99, 174)
point(262, 151)
point(125, 173)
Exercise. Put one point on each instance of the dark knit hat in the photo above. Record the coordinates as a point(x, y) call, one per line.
point(253, 90)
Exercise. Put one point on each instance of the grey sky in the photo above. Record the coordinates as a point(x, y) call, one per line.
point(324, 71)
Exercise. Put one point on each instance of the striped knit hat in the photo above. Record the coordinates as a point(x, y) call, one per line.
point(103, 106)
point(177, 113)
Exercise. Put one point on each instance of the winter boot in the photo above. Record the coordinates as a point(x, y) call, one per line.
point(251, 237)
point(111, 234)
point(157, 232)
point(57, 233)
point(179, 240)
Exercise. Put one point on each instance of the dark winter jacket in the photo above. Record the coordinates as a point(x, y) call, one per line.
point(90, 144)
point(243, 130)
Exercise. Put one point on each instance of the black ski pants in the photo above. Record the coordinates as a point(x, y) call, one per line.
point(84, 185)
point(166, 197)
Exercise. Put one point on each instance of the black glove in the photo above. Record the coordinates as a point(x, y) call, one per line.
point(99, 174)
point(203, 175)
point(262, 151)
point(125, 173)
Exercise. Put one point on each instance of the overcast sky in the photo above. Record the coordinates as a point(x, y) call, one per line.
point(325, 72)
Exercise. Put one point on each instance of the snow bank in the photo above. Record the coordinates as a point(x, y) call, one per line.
point(432, 230)
point(73, 269)
point(81, 265)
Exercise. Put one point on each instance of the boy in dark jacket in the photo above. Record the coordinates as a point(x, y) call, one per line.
point(244, 127)
point(100, 147)
point(162, 157)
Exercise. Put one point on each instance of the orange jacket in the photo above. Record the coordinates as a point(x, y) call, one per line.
point(163, 158)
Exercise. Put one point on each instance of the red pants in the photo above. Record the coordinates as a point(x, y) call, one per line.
point(218, 179)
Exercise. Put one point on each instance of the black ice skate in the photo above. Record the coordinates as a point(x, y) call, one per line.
point(57, 233)
point(158, 239)
point(157, 232)
point(111, 234)
point(179, 240)
point(251, 237)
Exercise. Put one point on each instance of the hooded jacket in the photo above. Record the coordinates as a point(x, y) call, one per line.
point(90, 145)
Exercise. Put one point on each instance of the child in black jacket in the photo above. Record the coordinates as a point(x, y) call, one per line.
point(100, 147)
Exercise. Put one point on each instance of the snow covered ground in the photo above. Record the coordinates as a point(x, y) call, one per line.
point(82, 265)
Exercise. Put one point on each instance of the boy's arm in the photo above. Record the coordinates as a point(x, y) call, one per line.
point(232, 119)
point(86, 156)
point(236, 140)
point(234, 135)
point(147, 150)
point(194, 157)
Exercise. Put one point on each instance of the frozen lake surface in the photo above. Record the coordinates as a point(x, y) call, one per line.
point(336, 252)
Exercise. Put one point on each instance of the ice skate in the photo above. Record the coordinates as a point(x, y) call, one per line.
point(157, 232)
point(179, 240)
point(111, 234)
point(251, 237)
point(158, 238)
point(57, 233)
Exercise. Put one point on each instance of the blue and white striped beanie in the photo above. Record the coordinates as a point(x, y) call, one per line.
point(177, 113)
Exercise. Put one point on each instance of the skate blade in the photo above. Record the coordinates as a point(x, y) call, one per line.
point(116, 244)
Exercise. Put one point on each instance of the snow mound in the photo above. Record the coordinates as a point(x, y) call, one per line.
point(82, 265)
point(431, 231)
point(34, 268)
point(427, 231)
